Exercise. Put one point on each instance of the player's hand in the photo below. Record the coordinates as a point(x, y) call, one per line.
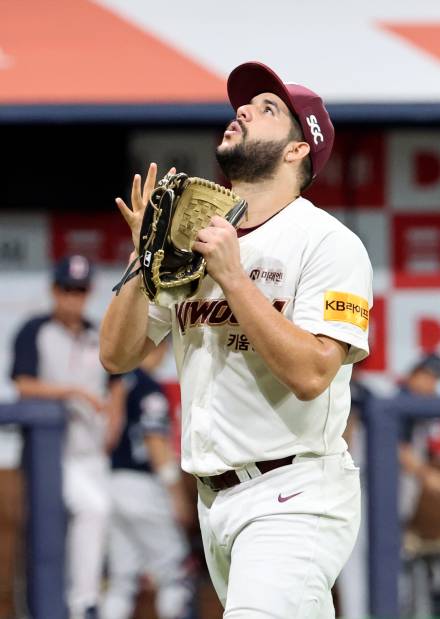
point(139, 200)
point(92, 400)
point(218, 244)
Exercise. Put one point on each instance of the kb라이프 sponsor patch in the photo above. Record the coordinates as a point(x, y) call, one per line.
point(346, 307)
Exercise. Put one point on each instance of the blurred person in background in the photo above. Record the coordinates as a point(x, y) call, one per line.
point(150, 506)
point(56, 357)
point(419, 454)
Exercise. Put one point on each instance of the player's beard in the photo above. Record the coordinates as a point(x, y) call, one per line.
point(250, 161)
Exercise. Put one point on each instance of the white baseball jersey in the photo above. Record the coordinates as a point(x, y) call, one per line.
point(234, 410)
point(45, 349)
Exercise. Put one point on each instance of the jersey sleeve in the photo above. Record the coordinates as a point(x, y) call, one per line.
point(25, 350)
point(159, 322)
point(334, 292)
point(155, 413)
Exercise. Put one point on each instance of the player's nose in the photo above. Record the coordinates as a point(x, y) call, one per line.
point(244, 112)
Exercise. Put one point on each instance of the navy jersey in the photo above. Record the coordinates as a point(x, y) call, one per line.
point(46, 350)
point(147, 412)
point(42, 340)
point(26, 356)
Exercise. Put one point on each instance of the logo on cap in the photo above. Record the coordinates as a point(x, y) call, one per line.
point(315, 129)
point(79, 267)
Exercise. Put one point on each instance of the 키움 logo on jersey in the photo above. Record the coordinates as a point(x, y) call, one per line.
point(346, 307)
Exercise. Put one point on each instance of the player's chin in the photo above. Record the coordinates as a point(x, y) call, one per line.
point(228, 142)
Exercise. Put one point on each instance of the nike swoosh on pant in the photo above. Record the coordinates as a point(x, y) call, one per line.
point(282, 499)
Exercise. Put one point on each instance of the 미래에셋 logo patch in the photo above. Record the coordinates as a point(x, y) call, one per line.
point(346, 307)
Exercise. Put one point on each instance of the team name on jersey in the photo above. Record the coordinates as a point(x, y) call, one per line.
point(346, 307)
point(211, 312)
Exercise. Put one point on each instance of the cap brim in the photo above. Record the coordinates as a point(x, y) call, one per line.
point(251, 79)
point(72, 283)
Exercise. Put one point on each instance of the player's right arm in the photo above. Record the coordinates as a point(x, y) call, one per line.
point(123, 339)
point(31, 387)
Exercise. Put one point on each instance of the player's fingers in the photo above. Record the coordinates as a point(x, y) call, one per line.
point(126, 212)
point(201, 247)
point(150, 182)
point(219, 222)
point(207, 234)
point(136, 198)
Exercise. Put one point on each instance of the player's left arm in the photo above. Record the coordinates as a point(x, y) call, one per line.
point(114, 409)
point(305, 361)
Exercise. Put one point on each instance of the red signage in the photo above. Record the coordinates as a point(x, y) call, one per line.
point(377, 360)
point(102, 238)
point(416, 251)
point(354, 175)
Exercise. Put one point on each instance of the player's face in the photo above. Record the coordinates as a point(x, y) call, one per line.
point(265, 118)
point(254, 144)
point(69, 302)
point(423, 382)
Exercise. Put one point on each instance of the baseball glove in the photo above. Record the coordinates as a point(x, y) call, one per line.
point(179, 207)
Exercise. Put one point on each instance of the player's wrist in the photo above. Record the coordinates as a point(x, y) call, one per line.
point(70, 392)
point(134, 254)
point(233, 282)
point(169, 473)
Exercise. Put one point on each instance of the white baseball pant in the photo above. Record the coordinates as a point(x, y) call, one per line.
point(144, 538)
point(86, 495)
point(275, 544)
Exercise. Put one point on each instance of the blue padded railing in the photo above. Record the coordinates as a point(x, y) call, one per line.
point(383, 418)
point(42, 424)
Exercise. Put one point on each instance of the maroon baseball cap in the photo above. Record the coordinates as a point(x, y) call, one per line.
point(252, 78)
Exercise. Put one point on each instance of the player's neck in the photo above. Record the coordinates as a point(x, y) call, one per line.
point(74, 324)
point(264, 198)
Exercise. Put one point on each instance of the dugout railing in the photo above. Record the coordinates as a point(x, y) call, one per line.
point(383, 418)
point(43, 424)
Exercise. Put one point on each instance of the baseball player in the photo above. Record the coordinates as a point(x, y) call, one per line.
point(56, 356)
point(148, 505)
point(264, 352)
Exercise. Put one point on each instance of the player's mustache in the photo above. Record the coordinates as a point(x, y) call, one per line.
point(242, 127)
point(241, 124)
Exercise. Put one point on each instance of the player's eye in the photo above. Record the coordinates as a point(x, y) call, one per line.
point(268, 108)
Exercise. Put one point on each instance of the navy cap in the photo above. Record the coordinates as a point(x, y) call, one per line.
point(431, 363)
point(73, 272)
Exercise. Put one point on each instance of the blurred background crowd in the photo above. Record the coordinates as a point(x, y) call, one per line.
point(91, 91)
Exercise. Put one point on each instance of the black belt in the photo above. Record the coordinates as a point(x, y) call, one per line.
point(228, 479)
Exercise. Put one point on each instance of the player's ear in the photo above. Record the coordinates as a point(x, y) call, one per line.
point(296, 150)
